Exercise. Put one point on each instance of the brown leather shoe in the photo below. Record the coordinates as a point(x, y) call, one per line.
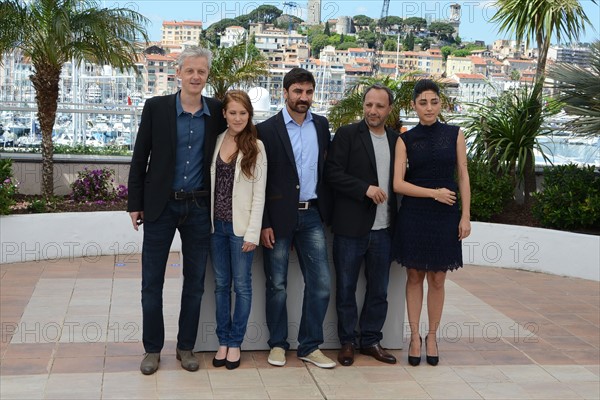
point(346, 354)
point(149, 364)
point(188, 360)
point(378, 353)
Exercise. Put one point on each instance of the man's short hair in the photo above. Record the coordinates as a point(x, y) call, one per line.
point(298, 75)
point(380, 86)
point(194, 51)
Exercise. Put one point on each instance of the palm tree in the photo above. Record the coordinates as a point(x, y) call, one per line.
point(350, 108)
point(241, 64)
point(539, 21)
point(579, 88)
point(53, 32)
point(504, 132)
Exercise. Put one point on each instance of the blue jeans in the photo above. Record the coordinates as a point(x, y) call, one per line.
point(348, 254)
point(231, 265)
point(191, 218)
point(309, 241)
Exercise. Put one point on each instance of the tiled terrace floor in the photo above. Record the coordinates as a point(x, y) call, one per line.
point(70, 329)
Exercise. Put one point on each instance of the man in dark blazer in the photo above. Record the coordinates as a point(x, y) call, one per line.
point(177, 136)
point(360, 171)
point(296, 143)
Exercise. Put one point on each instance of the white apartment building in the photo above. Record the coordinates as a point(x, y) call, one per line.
point(177, 32)
point(472, 88)
point(232, 36)
point(160, 72)
point(278, 45)
point(570, 55)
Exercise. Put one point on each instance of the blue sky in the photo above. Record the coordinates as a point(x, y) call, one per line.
point(475, 23)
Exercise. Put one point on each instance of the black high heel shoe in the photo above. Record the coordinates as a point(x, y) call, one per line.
point(219, 362)
point(412, 360)
point(232, 364)
point(432, 360)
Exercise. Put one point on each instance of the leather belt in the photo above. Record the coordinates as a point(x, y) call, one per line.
point(189, 195)
point(305, 205)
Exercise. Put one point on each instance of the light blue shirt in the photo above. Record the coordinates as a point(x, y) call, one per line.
point(306, 153)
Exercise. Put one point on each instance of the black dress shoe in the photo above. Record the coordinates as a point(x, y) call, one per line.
point(219, 363)
point(232, 364)
point(346, 354)
point(432, 360)
point(412, 360)
point(378, 353)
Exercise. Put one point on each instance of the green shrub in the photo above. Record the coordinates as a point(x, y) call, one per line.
point(570, 198)
point(489, 191)
point(8, 187)
point(38, 206)
point(97, 186)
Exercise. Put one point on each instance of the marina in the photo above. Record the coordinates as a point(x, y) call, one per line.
point(98, 125)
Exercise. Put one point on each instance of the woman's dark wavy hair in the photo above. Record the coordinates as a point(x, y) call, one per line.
point(424, 85)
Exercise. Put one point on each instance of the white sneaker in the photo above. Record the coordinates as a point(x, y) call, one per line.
point(277, 357)
point(319, 359)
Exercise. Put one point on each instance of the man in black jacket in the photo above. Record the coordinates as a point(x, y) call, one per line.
point(360, 170)
point(177, 134)
point(296, 143)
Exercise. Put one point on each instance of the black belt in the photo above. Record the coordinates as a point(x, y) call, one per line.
point(305, 205)
point(189, 195)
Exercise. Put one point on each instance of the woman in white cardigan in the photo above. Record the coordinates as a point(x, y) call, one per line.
point(238, 184)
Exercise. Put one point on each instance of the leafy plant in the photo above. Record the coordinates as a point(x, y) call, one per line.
point(51, 33)
point(505, 132)
point(490, 191)
point(570, 197)
point(579, 88)
point(8, 187)
point(235, 66)
point(97, 186)
point(38, 206)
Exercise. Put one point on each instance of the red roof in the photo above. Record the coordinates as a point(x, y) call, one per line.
point(478, 60)
point(173, 23)
point(470, 76)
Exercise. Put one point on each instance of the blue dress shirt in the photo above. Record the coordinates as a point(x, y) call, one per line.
point(306, 153)
point(189, 154)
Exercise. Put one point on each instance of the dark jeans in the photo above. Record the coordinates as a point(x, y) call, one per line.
point(309, 241)
point(191, 218)
point(231, 265)
point(348, 254)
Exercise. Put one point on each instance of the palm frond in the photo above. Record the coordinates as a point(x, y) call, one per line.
point(579, 90)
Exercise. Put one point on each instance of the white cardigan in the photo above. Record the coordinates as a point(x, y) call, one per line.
point(248, 196)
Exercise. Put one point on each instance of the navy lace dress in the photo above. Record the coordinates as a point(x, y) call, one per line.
point(426, 236)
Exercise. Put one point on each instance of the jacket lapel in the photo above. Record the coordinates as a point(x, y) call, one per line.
point(365, 136)
point(282, 134)
point(172, 123)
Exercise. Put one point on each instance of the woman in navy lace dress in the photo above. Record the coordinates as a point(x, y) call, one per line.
point(430, 171)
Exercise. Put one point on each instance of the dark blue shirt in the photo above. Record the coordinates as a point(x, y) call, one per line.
point(189, 154)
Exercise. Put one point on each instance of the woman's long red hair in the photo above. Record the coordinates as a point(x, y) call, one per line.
point(246, 139)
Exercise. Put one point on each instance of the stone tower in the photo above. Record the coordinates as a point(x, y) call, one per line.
point(455, 18)
point(314, 12)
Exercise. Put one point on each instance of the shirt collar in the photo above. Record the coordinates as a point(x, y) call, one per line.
point(203, 111)
point(287, 118)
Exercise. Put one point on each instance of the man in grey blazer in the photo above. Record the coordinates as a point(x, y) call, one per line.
point(169, 188)
point(360, 170)
point(296, 204)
